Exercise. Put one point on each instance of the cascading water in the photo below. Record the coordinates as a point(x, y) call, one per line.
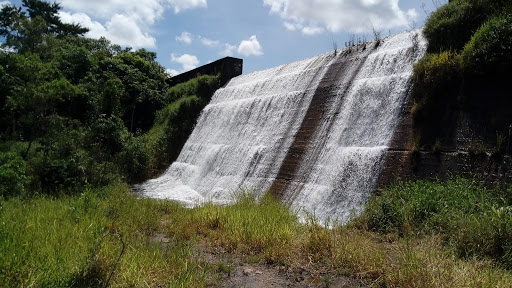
point(314, 132)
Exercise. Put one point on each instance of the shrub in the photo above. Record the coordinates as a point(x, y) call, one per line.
point(12, 174)
point(435, 87)
point(202, 86)
point(490, 48)
point(173, 125)
point(472, 219)
point(134, 159)
point(452, 25)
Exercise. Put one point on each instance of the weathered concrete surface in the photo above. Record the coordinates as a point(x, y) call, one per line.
point(345, 67)
point(468, 147)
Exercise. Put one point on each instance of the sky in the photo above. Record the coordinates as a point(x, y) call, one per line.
point(265, 33)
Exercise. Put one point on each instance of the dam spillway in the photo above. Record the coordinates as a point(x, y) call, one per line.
point(313, 132)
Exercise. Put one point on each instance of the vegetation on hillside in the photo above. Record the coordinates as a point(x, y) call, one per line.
point(470, 43)
point(76, 111)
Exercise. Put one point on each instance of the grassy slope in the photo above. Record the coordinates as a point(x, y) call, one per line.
point(77, 240)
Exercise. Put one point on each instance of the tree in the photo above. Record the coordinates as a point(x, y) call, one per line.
point(26, 32)
point(144, 85)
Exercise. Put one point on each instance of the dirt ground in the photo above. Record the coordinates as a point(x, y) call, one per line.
point(240, 271)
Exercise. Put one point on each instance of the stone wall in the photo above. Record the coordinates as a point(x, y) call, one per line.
point(469, 146)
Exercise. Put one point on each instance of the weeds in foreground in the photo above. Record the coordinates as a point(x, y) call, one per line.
point(96, 239)
point(416, 234)
point(472, 219)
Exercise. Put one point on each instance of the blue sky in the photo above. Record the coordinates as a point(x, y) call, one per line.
point(265, 33)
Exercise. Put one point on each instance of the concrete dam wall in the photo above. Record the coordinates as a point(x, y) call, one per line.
point(314, 132)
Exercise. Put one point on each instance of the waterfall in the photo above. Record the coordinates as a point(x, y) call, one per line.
point(314, 131)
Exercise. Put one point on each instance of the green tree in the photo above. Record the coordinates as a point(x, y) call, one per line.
point(144, 85)
point(27, 32)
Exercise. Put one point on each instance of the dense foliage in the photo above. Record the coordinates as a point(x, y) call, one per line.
point(474, 220)
point(176, 121)
point(75, 111)
point(490, 47)
point(470, 44)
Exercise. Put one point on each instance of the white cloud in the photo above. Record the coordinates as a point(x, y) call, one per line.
point(147, 11)
point(124, 22)
point(172, 72)
point(180, 5)
point(292, 26)
point(250, 47)
point(228, 50)
point(209, 42)
point(187, 62)
point(334, 15)
point(185, 37)
point(120, 29)
point(312, 30)
point(4, 3)
point(412, 15)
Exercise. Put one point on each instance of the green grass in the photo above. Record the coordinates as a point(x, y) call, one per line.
point(416, 234)
point(258, 227)
point(473, 220)
point(77, 241)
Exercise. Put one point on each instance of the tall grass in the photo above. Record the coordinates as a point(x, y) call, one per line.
point(474, 220)
point(416, 234)
point(252, 226)
point(98, 238)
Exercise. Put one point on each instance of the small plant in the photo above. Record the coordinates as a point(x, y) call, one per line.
point(12, 175)
point(376, 37)
point(500, 140)
point(334, 46)
point(477, 148)
point(436, 147)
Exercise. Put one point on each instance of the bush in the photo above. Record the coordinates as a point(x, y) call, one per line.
point(435, 84)
point(452, 25)
point(434, 72)
point(134, 160)
point(12, 174)
point(490, 48)
point(202, 86)
point(472, 219)
point(174, 123)
point(172, 127)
